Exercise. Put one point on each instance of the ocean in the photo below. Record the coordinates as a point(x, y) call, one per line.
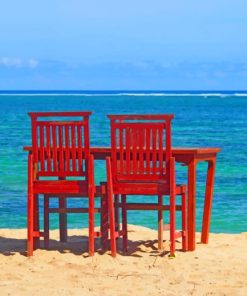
point(202, 119)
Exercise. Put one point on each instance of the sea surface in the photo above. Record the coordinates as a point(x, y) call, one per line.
point(202, 119)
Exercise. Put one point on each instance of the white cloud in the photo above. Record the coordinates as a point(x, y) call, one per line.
point(18, 62)
point(32, 63)
point(10, 62)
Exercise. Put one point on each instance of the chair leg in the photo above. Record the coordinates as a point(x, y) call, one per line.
point(63, 219)
point(112, 223)
point(104, 218)
point(30, 208)
point(160, 224)
point(46, 221)
point(184, 224)
point(111, 207)
point(124, 223)
point(36, 221)
point(30, 224)
point(91, 224)
point(172, 224)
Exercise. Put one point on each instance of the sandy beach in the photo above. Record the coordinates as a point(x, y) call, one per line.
point(219, 268)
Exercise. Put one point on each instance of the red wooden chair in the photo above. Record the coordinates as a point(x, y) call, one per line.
point(141, 164)
point(59, 165)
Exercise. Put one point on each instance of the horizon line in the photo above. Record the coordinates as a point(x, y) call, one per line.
point(124, 90)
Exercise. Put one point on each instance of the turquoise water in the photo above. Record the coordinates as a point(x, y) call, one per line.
point(216, 120)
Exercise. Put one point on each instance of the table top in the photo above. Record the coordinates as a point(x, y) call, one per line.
point(176, 150)
point(181, 154)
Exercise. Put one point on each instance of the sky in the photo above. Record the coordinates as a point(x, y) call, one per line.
point(123, 45)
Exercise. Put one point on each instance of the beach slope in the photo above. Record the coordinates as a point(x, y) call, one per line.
point(219, 268)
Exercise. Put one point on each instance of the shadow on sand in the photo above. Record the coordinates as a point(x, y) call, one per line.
point(78, 245)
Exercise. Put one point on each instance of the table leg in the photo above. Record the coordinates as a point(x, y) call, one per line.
point(191, 205)
point(208, 201)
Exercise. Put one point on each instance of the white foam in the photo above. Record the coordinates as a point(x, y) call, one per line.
point(240, 94)
point(205, 95)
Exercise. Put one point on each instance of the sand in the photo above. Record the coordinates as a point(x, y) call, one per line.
point(219, 268)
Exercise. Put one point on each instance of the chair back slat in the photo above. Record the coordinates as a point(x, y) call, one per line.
point(154, 150)
point(79, 139)
point(48, 149)
point(127, 148)
point(42, 150)
point(134, 145)
point(73, 147)
point(141, 146)
point(160, 149)
point(67, 152)
point(141, 150)
point(147, 148)
point(61, 145)
point(60, 149)
point(53, 149)
point(121, 145)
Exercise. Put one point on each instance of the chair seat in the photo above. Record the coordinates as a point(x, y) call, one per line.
point(60, 186)
point(136, 188)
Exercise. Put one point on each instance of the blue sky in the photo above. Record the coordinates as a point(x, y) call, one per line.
point(134, 45)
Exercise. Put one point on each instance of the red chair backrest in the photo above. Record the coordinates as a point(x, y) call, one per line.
point(138, 143)
point(60, 143)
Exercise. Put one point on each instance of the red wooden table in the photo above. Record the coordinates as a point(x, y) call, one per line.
point(189, 157)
